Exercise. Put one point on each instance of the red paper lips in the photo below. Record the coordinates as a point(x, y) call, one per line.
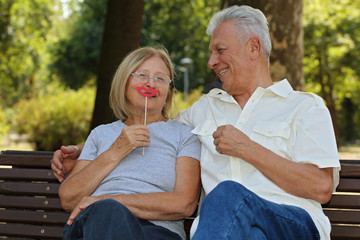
point(147, 92)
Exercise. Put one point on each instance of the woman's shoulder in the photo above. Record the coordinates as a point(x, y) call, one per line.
point(109, 126)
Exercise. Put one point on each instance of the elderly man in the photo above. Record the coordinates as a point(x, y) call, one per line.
point(275, 145)
point(269, 156)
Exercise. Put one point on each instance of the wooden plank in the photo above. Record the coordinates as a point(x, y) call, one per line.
point(348, 185)
point(18, 188)
point(22, 202)
point(20, 216)
point(20, 152)
point(350, 168)
point(344, 201)
point(345, 232)
point(29, 174)
point(41, 161)
point(343, 216)
point(31, 231)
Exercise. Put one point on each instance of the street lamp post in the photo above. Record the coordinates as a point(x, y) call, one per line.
point(186, 63)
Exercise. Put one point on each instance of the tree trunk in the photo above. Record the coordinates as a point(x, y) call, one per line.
point(122, 34)
point(285, 25)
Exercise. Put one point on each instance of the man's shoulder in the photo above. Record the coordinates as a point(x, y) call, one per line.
point(308, 97)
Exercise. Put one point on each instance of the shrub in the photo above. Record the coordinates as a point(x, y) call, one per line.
point(56, 119)
point(180, 104)
point(4, 126)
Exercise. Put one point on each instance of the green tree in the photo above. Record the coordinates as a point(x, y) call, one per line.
point(122, 33)
point(76, 55)
point(332, 54)
point(24, 29)
point(180, 26)
point(183, 35)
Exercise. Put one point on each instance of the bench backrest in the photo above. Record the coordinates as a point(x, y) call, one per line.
point(29, 202)
point(343, 210)
point(30, 207)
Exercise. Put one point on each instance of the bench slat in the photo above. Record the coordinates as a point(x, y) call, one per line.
point(40, 161)
point(345, 232)
point(26, 153)
point(348, 185)
point(344, 201)
point(17, 188)
point(31, 231)
point(350, 168)
point(27, 174)
point(39, 203)
point(343, 216)
point(36, 217)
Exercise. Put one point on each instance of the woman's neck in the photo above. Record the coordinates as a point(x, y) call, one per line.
point(141, 119)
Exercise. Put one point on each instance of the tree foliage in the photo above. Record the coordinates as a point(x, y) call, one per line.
point(76, 55)
point(24, 28)
point(332, 54)
point(180, 26)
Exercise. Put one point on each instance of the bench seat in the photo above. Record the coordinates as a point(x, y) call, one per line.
point(30, 207)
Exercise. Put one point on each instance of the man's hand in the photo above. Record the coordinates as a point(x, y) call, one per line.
point(64, 160)
point(231, 141)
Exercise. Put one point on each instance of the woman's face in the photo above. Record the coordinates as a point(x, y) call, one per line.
point(152, 66)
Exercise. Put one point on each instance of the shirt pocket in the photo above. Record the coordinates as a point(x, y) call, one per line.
point(273, 136)
point(205, 131)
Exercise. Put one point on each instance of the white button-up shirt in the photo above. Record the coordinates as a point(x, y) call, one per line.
point(295, 125)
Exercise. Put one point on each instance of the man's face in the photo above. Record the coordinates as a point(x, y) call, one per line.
point(229, 58)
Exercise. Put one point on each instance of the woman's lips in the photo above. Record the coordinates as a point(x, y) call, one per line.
point(146, 92)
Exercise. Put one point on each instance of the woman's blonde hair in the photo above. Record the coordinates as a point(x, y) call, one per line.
point(118, 100)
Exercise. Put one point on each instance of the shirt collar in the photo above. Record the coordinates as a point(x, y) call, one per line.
point(281, 88)
point(221, 94)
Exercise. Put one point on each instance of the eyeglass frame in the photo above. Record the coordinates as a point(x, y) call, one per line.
point(152, 77)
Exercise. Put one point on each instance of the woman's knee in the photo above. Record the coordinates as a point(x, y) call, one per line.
point(110, 208)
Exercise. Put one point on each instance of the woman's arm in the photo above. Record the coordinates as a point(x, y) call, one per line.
point(175, 205)
point(87, 175)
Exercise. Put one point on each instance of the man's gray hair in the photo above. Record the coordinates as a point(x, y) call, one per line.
point(247, 20)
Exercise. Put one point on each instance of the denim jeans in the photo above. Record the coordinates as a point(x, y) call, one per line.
point(108, 219)
point(231, 211)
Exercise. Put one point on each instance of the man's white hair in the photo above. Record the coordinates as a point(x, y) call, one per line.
point(247, 20)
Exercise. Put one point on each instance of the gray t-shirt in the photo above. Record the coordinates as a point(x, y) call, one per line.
point(153, 172)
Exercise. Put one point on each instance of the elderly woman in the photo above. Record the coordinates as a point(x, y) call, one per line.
point(118, 191)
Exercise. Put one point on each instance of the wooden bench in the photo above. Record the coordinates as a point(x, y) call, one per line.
point(30, 207)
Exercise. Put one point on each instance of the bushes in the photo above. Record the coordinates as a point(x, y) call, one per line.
point(4, 127)
point(57, 119)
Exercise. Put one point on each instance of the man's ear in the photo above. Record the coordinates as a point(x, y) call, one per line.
point(255, 47)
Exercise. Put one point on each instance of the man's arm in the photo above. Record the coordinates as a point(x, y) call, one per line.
point(299, 179)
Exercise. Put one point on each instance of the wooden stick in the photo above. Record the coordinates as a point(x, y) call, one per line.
point(145, 119)
point(207, 97)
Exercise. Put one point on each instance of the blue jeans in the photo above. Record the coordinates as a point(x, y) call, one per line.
point(108, 219)
point(231, 211)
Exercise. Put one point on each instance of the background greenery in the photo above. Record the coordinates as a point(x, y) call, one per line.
point(49, 54)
